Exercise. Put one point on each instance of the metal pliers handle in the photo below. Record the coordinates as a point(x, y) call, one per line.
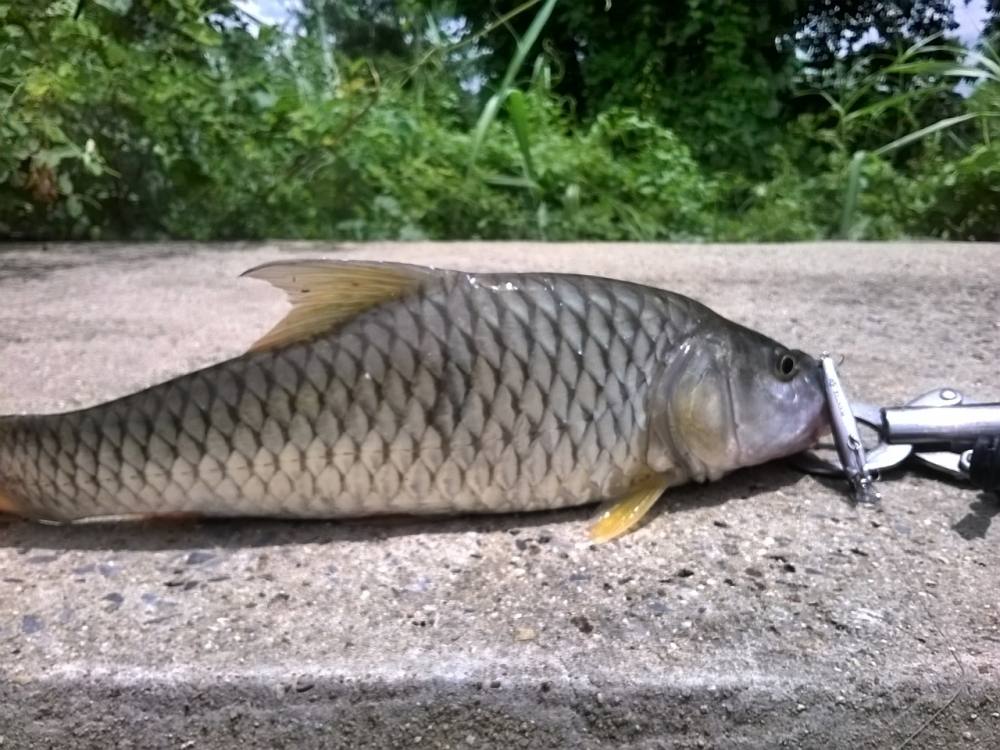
point(962, 440)
point(938, 429)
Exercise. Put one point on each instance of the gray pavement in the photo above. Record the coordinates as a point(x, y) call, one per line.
point(762, 610)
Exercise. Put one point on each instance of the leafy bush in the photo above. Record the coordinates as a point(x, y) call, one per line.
point(179, 118)
point(964, 197)
point(402, 175)
point(796, 206)
point(204, 148)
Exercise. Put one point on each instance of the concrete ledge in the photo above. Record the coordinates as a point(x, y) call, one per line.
point(762, 610)
point(343, 712)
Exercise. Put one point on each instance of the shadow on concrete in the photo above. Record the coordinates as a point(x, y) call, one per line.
point(976, 522)
point(982, 510)
point(30, 261)
point(24, 269)
point(43, 261)
point(974, 525)
point(252, 532)
point(743, 484)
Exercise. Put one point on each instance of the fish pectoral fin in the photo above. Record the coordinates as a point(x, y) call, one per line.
point(325, 293)
point(8, 507)
point(619, 516)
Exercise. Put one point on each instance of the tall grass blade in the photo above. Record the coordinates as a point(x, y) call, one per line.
point(524, 46)
point(527, 42)
point(922, 45)
point(941, 69)
point(486, 118)
point(511, 181)
point(881, 106)
point(916, 135)
point(851, 194)
point(519, 119)
point(989, 61)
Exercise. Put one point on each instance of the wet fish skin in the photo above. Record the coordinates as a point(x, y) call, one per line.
point(469, 393)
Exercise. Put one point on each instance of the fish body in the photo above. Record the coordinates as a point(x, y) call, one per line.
point(394, 389)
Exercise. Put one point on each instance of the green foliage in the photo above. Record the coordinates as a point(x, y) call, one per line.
point(709, 68)
point(624, 177)
point(242, 142)
point(964, 200)
point(868, 29)
point(399, 119)
point(406, 177)
point(720, 74)
point(503, 93)
point(78, 154)
point(809, 206)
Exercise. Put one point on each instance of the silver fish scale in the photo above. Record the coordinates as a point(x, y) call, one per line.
point(474, 394)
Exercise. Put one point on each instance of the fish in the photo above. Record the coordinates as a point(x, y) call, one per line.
point(396, 389)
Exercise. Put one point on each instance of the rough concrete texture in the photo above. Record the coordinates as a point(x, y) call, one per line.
point(763, 610)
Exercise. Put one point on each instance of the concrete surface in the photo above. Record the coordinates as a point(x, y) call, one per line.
point(760, 611)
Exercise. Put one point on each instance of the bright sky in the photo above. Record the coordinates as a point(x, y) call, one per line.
point(971, 17)
point(269, 11)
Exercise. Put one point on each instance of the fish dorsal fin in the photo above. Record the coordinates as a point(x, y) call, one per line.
point(326, 293)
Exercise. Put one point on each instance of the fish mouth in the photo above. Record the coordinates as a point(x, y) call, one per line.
point(821, 419)
point(820, 430)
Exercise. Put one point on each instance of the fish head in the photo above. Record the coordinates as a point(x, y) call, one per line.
point(731, 397)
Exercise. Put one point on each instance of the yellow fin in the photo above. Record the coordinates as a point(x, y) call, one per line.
point(325, 293)
point(7, 505)
point(618, 517)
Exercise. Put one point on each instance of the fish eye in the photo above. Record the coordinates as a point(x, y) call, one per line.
point(786, 366)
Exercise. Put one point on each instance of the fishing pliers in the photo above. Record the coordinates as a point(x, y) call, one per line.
point(941, 429)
